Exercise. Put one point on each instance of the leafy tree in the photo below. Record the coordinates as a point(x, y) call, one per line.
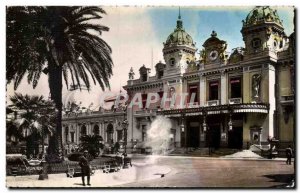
point(62, 42)
point(92, 143)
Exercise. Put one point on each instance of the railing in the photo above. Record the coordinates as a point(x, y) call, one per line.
point(192, 105)
point(235, 101)
point(213, 103)
point(90, 113)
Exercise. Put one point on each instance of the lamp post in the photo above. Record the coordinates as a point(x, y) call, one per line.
point(230, 118)
point(125, 126)
point(183, 132)
point(204, 125)
point(230, 123)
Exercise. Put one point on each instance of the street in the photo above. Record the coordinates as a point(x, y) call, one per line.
point(209, 172)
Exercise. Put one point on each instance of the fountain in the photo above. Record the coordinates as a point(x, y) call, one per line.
point(158, 135)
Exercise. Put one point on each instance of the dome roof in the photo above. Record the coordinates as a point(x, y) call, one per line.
point(213, 40)
point(179, 36)
point(261, 14)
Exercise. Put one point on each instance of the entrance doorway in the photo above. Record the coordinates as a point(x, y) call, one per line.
point(214, 136)
point(193, 132)
point(235, 138)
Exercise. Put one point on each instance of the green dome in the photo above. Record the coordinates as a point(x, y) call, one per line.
point(179, 36)
point(261, 14)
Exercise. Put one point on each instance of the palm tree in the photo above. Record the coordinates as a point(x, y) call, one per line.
point(35, 119)
point(92, 143)
point(62, 42)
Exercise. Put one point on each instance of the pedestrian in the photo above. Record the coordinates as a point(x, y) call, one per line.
point(85, 168)
point(289, 154)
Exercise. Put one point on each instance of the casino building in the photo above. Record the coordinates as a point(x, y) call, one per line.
point(240, 98)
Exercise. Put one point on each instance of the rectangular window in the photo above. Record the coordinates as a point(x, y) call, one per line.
point(144, 100)
point(161, 94)
point(72, 137)
point(193, 89)
point(160, 74)
point(236, 87)
point(214, 90)
point(144, 77)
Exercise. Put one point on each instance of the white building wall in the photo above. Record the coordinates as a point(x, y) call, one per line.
point(202, 89)
point(224, 88)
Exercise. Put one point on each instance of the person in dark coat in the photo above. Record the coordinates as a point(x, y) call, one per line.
point(85, 167)
point(289, 154)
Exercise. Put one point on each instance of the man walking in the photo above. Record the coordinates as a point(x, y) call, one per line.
point(85, 167)
point(289, 154)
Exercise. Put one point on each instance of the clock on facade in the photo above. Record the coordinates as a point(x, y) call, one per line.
point(213, 55)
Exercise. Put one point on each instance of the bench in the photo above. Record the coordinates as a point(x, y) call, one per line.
point(111, 167)
point(74, 171)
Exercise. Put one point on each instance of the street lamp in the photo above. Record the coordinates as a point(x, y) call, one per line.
point(182, 127)
point(230, 118)
point(204, 120)
point(205, 129)
point(125, 126)
point(230, 123)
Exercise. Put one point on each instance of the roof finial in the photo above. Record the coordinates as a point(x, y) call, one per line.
point(213, 34)
point(179, 22)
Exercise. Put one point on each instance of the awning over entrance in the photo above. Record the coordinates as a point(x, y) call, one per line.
point(219, 109)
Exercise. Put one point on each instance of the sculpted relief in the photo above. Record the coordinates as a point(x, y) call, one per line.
point(256, 80)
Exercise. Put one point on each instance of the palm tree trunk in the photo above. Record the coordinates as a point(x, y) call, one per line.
point(55, 84)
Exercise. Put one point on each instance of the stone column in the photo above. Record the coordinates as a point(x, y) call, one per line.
point(102, 130)
point(104, 133)
point(224, 88)
point(115, 133)
point(77, 133)
point(88, 128)
point(202, 88)
point(63, 134)
point(91, 128)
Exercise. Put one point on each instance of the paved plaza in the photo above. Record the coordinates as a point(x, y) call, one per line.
point(177, 171)
point(220, 173)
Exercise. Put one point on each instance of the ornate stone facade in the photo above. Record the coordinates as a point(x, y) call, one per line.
point(241, 98)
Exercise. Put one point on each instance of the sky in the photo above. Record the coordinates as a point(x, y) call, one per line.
point(137, 34)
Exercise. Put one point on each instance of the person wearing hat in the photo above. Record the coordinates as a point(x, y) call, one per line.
point(85, 167)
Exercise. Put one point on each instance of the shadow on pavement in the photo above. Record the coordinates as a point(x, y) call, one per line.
point(287, 179)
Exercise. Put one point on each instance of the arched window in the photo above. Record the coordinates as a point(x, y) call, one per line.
point(172, 61)
point(256, 43)
point(96, 130)
point(83, 130)
point(66, 133)
point(110, 132)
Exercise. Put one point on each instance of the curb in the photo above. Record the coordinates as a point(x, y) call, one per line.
point(209, 158)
